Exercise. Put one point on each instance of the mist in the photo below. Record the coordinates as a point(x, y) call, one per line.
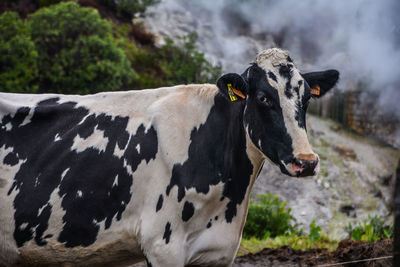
point(360, 38)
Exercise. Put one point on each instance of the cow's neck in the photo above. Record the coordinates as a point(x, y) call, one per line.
point(243, 160)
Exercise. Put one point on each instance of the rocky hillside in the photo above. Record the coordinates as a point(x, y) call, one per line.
point(356, 179)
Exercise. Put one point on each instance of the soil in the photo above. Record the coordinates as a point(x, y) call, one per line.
point(348, 250)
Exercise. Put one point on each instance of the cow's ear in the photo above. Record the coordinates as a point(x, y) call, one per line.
point(321, 82)
point(233, 87)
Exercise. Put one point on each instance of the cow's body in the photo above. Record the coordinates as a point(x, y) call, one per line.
point(81, 144)
point(113, 178)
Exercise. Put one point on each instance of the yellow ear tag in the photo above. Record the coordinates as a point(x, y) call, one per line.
point(316, 90)
point(231, 94)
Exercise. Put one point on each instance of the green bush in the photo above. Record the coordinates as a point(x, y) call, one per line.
point(185, 64)
point(77, 52)
point(372, 229)
point(268, 217)
point(128, 9)
point(315, 232)
point(18, 55)
point(171, 64)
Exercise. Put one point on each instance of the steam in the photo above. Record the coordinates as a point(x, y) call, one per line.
point(360, 38)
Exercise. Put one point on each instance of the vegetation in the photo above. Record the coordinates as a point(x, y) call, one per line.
point(371, 230)
point(270, 224)
point(301, 242)
point(186, 64)
point(69, 49)
point(18, 55)
point(128, 9)
point(268, 217)
point(77, 51)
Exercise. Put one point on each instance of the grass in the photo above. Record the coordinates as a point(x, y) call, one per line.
point(254, 245)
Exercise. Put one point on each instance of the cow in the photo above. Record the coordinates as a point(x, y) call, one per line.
point(162, 175)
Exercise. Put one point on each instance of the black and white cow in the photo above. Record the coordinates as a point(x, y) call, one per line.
point(163, 174)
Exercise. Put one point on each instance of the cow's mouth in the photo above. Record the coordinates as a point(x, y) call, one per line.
point(300, 169)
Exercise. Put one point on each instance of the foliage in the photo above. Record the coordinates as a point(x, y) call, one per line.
point(65, 48)
point(128, 9)
point(171, 64)
point(77, 52)
point(268, 217)
point(18, 55)
point(300, 242)
point(370, 230)
point(315, 232)
point(185, 64)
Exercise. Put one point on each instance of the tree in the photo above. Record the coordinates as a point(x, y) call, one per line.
point(18, 68)
point(76, 51)
point(128, 9)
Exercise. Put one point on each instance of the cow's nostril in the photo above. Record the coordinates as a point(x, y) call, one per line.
point(298, 162)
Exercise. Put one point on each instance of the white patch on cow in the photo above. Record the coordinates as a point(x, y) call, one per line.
point(63, 174)
point(138, 148)
point(57, 137)
point(8, 126)
point(27, 118)
point(23, 226)
point(79, 194)
point(37, 182)
point(41, 209)
point(115, 183)
point(119, 152)
point(173, 144)
point(96, 140)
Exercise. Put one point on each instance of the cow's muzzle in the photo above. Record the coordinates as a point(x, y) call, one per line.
point(304, 165)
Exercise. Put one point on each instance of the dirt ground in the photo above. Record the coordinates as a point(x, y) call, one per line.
point(348, 250)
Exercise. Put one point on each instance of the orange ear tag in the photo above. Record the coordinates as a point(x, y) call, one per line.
point(233, 93)
point(237, 92)
point(316, 90)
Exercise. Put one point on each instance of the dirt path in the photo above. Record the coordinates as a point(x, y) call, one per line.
point(348, 250)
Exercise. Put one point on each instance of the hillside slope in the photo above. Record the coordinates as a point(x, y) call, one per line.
point(355, 180)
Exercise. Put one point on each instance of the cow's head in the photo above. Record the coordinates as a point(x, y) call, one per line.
point(275, 97)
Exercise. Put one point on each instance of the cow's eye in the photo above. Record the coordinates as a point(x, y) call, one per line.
point(264, 100)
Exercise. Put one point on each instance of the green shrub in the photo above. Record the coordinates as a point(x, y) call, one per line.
point(185, 64)
point(370, 230)
point(268, 217)
point(171, 64)
point(77, 52)
point(315, 232)
point(128, 9)
point(18, 55)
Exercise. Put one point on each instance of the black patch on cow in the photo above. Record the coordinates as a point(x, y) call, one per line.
point(209, 224)
point(148, 262)
point(159, 203)
point(285, 71)
point(217, 147)
point(167, 232)
point(216, 218)
point(11, 159)
point(272, 76)
point(90, 172)
point(188, 211)
point(300, 115)
point(289, 59)
point(300, 83)
point(297, 90)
